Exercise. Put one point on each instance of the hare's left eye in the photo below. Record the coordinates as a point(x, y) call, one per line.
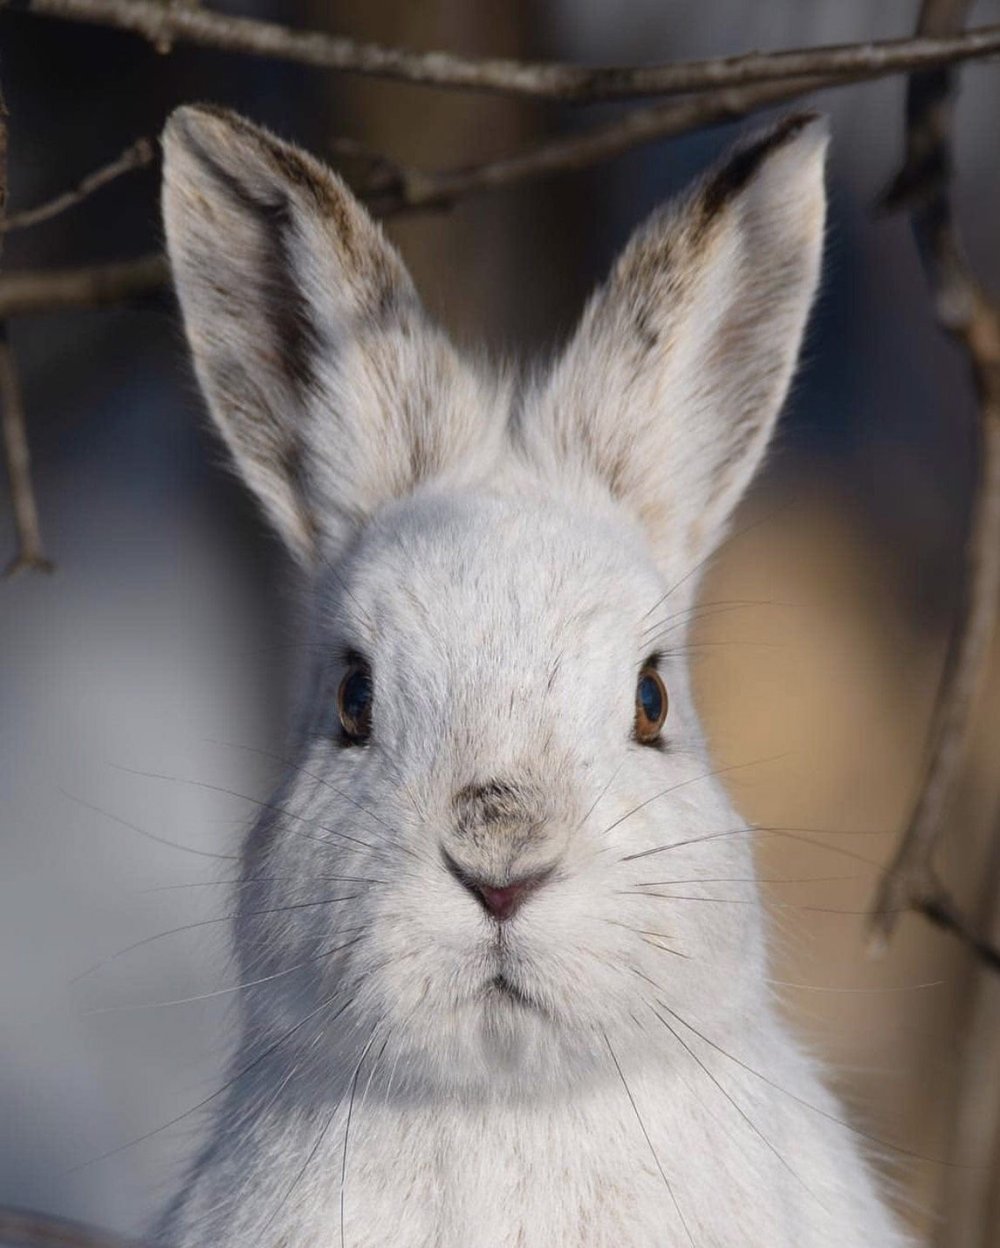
point(650, 705)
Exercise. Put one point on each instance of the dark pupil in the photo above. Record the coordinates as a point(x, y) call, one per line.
point(650, 698)
point(357, 696)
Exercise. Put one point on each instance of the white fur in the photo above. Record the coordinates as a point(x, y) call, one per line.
point(506, 557)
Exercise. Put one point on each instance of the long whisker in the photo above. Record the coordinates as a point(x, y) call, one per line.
point(748, 879)
point(881, 991)
point(752, 901)
point(299, 770)
point(646, 932)
point(271, 1048)
point(317, 1144)
point(702, 610)
point(747, 528)
point(680, 784)
point(874, 1139)
point(600, 797)
point(150, 836)
point(190, 927)
point(255, 801)
point(262, 879)
point(347, 1125)
point(739, 1109)
point(794, 834)
point(221, 992)
point(649, 1142)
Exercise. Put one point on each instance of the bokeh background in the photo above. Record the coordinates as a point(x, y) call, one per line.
point(165, 642)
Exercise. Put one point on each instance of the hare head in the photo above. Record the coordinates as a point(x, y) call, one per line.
point(500, 803)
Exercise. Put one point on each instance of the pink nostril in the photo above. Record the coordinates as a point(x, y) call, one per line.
point(502, 902)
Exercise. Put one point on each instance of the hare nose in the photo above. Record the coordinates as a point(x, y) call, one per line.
point(500, 901)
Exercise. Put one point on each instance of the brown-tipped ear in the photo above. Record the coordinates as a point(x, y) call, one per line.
point(308, 339)
point(670, 389)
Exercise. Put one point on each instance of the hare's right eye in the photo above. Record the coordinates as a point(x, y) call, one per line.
point(354, 703)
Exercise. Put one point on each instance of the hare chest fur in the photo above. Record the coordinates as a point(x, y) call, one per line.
point(491, 994)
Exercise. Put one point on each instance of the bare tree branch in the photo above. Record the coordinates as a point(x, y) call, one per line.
point(965, 311)
point(136, 156)
point(30, 553)
point(93, 286)
point(965, 1219)
point(392, 189)
point(584, 149)
point(165, 24)
point(21, 1228)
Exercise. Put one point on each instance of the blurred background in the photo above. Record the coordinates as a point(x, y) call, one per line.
point(164, 642)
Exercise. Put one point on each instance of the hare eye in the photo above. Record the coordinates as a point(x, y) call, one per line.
point(354, 703)
point(650, 705)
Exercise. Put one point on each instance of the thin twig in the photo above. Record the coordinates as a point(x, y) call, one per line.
point(582, 150)
point(135, 156)
point(30, 552)
point(164, 25)
point(23, 1228)
point(91, 286)
point(965, 311)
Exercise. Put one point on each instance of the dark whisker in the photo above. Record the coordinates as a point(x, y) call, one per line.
point(600, 797)
point(793, 834)
point(642, 931)
point(739, 1108)
point(350, 1112)
point(707, 775)
point(874, 1139)
point(649, 1142)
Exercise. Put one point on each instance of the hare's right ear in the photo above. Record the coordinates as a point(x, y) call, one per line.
point(331, 389)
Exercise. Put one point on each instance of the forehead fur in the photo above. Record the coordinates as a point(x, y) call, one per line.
point(504, 557)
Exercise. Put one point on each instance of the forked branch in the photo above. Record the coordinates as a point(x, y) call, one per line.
point(965, 311)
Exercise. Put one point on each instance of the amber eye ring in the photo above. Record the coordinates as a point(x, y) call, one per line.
point(354, 703)
point(650, 705)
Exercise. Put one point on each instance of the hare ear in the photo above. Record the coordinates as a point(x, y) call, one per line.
point(332, 391)
point(670, 389)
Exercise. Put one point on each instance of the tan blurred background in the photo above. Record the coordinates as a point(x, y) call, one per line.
point(165, 642)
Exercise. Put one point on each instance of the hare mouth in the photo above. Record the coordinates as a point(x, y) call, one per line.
point(501, 988)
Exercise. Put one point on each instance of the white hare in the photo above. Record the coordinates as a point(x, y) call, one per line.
point(492, 996)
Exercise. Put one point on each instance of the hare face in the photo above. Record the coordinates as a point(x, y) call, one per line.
point(485, 851)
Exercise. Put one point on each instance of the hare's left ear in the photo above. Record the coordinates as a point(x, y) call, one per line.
point(669, 391)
